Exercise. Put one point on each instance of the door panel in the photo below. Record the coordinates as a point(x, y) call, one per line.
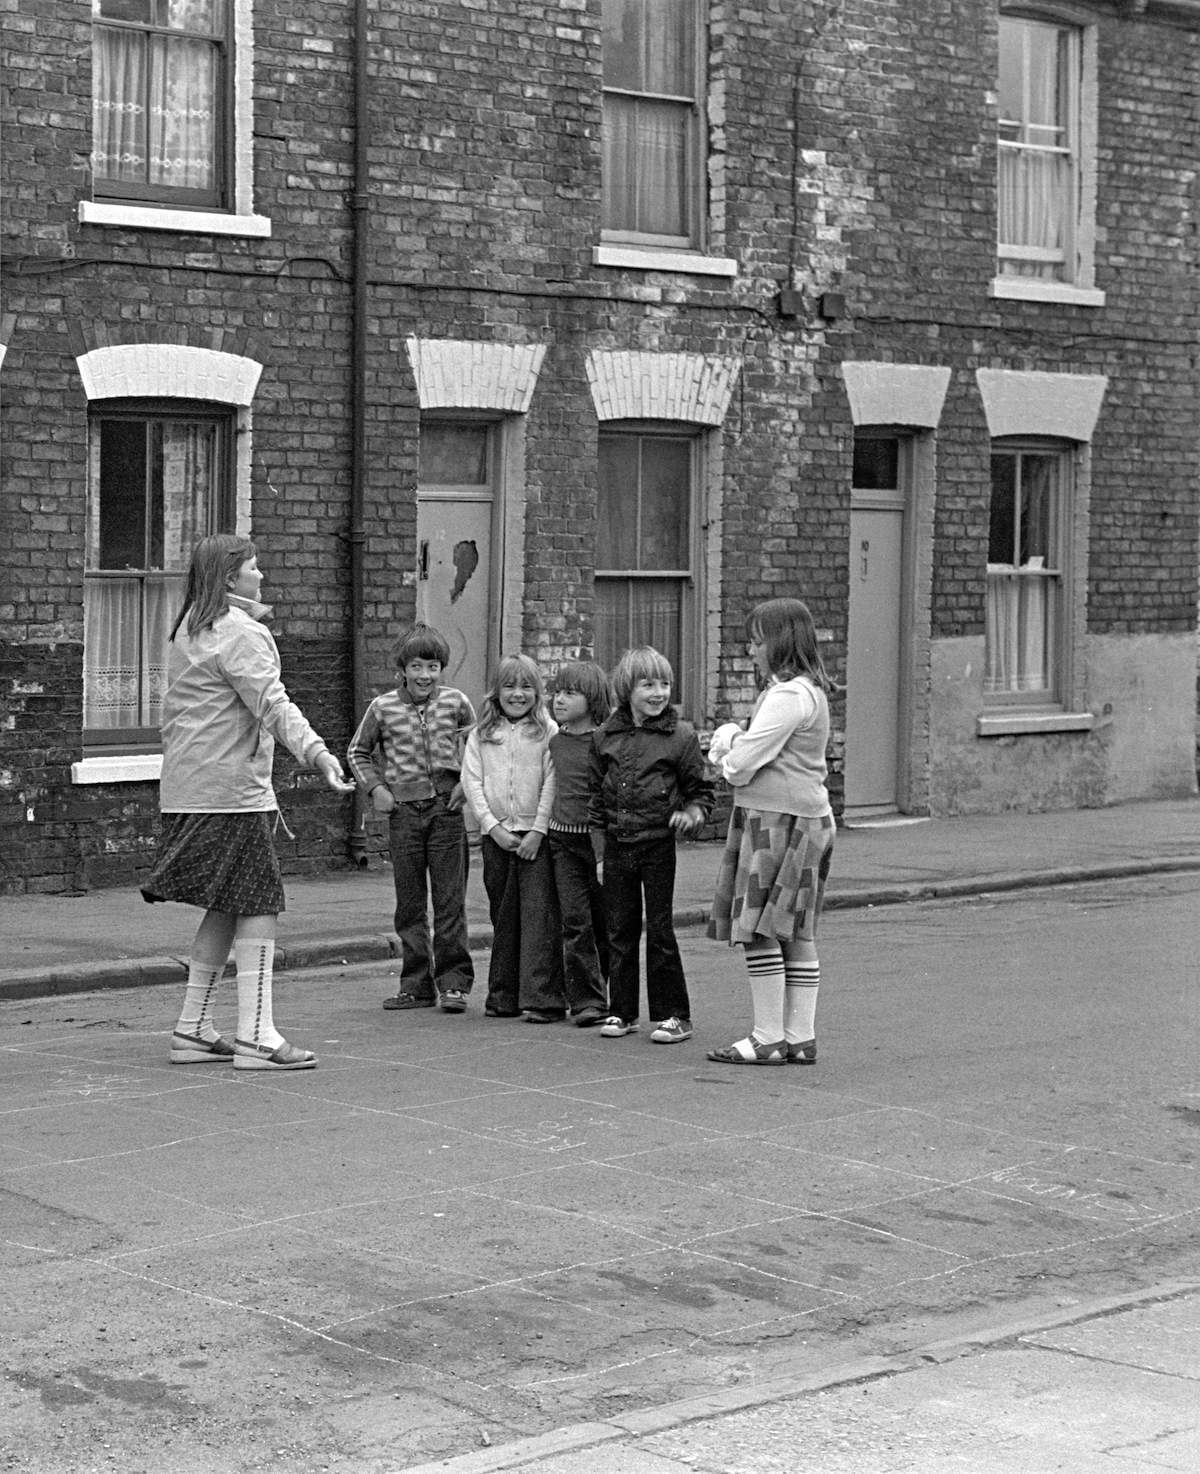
point(454, 593)
point(874, 657)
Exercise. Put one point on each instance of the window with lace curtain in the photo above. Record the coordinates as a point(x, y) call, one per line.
point(1046, 145)
point(645, 584)
point(653, 164)
point(157, 482)
point(161, 100)
point(1026, 634)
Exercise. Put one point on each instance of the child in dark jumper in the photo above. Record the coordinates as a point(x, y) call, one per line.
point(582, 702)
point(647, 782)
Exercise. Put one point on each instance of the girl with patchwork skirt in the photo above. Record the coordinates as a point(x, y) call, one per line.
point(224, 706)
point(771, 882)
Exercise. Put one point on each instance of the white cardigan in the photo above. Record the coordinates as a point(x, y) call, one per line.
point(509, 779)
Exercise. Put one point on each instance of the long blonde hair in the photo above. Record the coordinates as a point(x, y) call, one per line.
point(491, 713)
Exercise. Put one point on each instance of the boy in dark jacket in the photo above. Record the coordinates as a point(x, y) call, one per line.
point(647, 782)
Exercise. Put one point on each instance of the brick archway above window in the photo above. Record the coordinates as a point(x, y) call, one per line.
point(1017, 403)
point(455, 373)
point(689, 388)
point(168, 371)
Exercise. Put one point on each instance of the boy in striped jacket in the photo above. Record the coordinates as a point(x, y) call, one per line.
point(407, 758)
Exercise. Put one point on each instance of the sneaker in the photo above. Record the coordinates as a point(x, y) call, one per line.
point(614, 1027)
point(453, 1001)
point(672, 1031)
point(409, 1000)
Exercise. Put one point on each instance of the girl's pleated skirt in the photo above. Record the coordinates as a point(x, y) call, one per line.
point(221, 862)
point(771, 881)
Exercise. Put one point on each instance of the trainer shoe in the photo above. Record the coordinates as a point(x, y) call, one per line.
point(453, 1000)
point(614, 1027)
point(672, 1031)
point(409, 1000)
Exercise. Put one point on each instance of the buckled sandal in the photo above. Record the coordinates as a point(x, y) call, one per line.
point(188, 1049)
point(284, 1056)
point(751, 1052)
point(802, 1054)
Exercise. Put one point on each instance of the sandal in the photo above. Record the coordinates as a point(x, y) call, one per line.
point(189, 1049)
point(802, 1054)
point(284, 1056)
point(751, 1052)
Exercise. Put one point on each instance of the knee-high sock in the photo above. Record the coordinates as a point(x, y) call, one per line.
point(255, 963)
point(195, 1018)
point(800, 1005)
point(765, 966)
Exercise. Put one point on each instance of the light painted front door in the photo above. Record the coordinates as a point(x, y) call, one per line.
point(874, 695)
point(454, 561)
point(458, 578)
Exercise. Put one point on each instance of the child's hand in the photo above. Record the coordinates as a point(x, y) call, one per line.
point(457, 798)
point(722, 740)
point(504, 838)
point(331, 770)
point(687, 821)
point(381, 799)
point(530, 844)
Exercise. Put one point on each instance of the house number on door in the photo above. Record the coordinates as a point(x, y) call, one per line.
point(864, 549)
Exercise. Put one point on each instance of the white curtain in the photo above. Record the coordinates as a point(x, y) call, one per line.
point(1020, 633)
point(1035, 187)
point(111, 624)
point(154, 102)
point(127, 618)
point(645, 166)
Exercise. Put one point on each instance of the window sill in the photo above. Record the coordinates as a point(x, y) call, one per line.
point(998, 724)
point(132, 767)
point(1025, 289)
point(644, 258)
point(154, 217)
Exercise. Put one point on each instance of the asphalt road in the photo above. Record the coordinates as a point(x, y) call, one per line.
point(460, 1231)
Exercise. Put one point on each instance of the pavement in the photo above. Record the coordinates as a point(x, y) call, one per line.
point(706, 1313)
point(112, 939)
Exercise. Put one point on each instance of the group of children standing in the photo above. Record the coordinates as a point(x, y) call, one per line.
point(579, 812)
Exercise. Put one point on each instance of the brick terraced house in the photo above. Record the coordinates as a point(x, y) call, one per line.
point(574, 325)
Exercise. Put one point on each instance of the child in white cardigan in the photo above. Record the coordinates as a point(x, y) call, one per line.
point(508, 780)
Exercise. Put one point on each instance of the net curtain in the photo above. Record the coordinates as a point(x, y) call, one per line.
point(154, 121)
point(128, 615)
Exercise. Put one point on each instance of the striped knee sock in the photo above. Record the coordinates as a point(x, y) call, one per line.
point(802, 979)
point(195, 1019)
point(765, 967)
point(255, 964)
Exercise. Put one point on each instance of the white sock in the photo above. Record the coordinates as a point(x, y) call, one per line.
point(255, 958)
point(800, 1008)
point(195, 1019)
point(766, 993)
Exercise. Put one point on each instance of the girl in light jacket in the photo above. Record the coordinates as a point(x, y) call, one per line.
point(224, 706)
point(508, 780)
point(771, 882)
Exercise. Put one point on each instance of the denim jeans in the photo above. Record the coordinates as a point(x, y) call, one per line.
point(584, 928)
point(526, 969)
point(637, 870)
point(429, 859)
